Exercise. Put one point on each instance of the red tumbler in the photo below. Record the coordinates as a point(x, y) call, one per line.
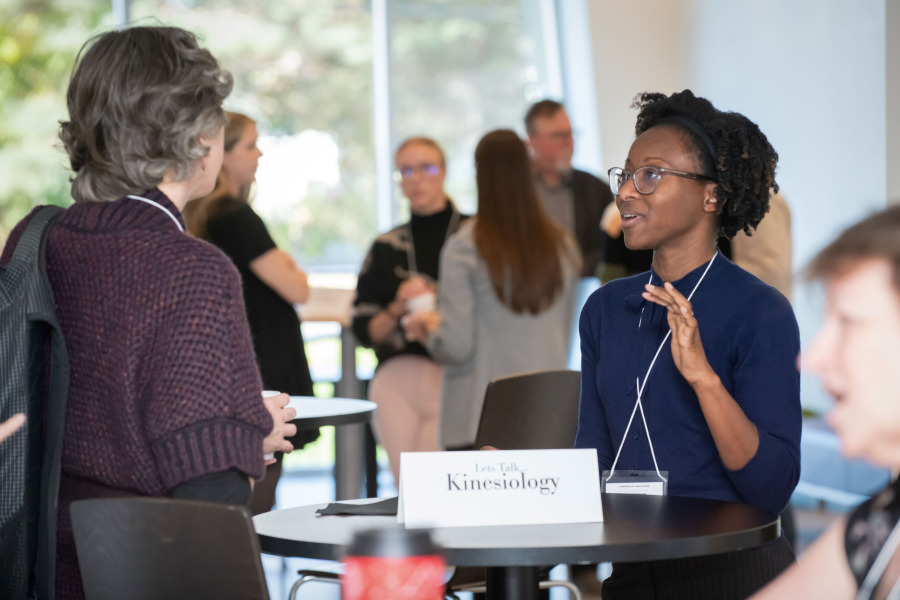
point(393, 564)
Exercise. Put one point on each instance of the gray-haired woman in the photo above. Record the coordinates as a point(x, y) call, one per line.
point(164, 398)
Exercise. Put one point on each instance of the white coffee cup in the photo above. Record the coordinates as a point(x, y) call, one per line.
point(424, 301)
point(269, 394)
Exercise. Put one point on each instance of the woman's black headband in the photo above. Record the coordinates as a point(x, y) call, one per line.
point(694, 127)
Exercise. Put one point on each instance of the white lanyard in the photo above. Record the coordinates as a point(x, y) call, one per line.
point(640, 388)
point(452, 226)
point(160, 207)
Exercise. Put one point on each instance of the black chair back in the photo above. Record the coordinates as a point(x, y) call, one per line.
point(533, 411)
point(163, 548)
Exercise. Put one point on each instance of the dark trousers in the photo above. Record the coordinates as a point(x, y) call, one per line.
point(729, 576)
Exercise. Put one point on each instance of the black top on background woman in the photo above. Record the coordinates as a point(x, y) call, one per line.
point(272, 282)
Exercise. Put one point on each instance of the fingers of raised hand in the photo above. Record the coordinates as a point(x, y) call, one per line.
point(681, 305)
point(662, 296)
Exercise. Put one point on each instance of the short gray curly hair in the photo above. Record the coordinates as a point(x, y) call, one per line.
point(139, 101)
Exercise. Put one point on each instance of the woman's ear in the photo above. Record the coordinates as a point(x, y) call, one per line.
point(710, 202)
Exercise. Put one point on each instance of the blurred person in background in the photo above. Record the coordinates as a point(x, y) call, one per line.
point(506, 298)
point(272, 282)
point(399, 275)
point(577, 200)
point(768, 252)
point(855, 355)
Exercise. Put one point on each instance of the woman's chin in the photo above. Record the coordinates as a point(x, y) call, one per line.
point(634, 242)
point(858, 445)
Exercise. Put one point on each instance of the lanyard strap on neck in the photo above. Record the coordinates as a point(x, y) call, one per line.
point(640, 387)
point(160, 207)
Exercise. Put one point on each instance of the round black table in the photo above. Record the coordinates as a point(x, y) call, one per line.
point(635, 528)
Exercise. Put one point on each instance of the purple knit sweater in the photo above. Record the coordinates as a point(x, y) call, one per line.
point(164, 384)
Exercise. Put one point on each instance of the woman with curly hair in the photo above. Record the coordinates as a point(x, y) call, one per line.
point(704, 350)
point(164, 395)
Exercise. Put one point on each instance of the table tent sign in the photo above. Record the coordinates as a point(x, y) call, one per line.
point(499, 487)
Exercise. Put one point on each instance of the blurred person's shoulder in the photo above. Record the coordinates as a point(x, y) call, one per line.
point(395, 236)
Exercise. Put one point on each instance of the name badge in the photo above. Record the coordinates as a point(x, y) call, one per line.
point(499, 487)
point(635, 482)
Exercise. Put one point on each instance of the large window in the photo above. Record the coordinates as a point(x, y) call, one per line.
point(458, 69)
point(303, 70)
point(38, 43)
point(335, 85)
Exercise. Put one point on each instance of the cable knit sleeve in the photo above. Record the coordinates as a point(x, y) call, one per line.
point(205, 412)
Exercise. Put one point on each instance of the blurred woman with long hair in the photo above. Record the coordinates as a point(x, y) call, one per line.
point(272, 282)
point(507, 282)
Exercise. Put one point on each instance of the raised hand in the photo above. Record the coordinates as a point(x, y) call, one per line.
point(687, 348)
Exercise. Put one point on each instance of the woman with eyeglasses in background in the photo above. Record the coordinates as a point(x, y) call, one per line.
point(272, 282)
point(400, 275)
point(708, 349)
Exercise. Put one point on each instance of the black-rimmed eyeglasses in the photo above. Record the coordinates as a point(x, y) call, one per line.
point(646, 179)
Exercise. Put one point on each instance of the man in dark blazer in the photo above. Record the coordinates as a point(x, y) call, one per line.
point(576, 199)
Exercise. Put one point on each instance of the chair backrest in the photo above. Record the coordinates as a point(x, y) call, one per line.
point(163, 548)
point(532, 411)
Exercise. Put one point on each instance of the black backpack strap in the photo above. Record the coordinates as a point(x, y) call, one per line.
point(30, 242)
point(42, 314)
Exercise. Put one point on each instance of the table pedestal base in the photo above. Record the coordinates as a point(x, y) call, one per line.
point(513, 583)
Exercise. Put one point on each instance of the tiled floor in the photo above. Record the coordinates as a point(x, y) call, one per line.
point(299, 488)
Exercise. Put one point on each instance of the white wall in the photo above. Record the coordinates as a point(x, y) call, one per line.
point(893, 101)
point(812, 74)
point(577, 74)
point(629, 59)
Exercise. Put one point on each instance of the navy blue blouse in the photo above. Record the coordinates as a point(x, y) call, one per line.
point(751, 339)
